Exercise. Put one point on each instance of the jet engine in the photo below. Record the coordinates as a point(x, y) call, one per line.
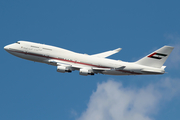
point(86, 72)
point(64, 69)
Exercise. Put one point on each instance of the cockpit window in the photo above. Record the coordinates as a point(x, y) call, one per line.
point(18, 42)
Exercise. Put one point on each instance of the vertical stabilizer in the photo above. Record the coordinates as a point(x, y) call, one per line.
point(157, 58)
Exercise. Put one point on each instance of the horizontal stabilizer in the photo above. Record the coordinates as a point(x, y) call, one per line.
point(153, 71)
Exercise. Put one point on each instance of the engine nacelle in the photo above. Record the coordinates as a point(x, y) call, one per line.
point(86, 72)
point(63, 69)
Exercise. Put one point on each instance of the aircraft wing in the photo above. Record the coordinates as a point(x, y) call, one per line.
point(108, 53)
point(78, 66)
point(104, 69)
point(60, 63)
point(74, 66)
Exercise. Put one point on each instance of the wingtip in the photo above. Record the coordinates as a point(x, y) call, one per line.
point(118, 49)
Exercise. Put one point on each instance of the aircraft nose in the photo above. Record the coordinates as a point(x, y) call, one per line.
point(6, 47)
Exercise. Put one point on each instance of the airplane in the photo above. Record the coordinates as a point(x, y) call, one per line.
point(68, 61)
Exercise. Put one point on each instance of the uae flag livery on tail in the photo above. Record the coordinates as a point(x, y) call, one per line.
point(157, 58)
point(157, 55)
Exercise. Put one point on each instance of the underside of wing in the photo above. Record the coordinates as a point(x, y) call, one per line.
point(61, 63)
point(108, 53)
point(83, 70)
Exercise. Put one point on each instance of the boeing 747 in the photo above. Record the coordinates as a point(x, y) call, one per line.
point(68, 61)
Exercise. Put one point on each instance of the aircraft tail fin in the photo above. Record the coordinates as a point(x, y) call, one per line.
point(157, 58)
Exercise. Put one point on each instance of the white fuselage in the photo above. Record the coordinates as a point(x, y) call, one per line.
point(46, 53)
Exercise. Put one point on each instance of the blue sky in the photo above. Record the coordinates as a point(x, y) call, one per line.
point(36, 91)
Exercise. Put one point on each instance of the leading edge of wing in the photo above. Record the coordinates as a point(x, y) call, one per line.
point(107, 53)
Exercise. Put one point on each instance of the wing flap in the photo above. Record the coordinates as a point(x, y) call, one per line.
point(104, 69)
point(101, 69)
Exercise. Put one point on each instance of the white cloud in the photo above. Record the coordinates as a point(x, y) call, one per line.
point(112, 101)
point(73, 113)
point(173, 37)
